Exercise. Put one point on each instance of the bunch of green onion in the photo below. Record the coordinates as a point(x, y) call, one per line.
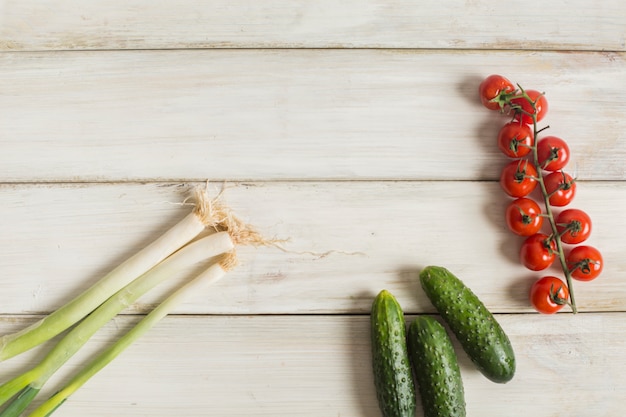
point(181, 246)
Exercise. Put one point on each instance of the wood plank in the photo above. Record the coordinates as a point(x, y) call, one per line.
point(57, 240)
point(320, 366)
point(450, 24)
point(196, 115)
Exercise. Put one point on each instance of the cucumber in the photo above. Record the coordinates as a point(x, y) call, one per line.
point(395, 389)
point(436, 369)
point(478, 332)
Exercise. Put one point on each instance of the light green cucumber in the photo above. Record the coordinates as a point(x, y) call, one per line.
point(436, 369)
point(393, 377)
point(476, 329)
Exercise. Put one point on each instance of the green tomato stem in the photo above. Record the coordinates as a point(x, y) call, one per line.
point(549, 214)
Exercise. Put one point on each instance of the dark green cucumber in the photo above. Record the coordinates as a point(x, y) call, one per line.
point(393, 377)
point(478, 332)
point(436, 369)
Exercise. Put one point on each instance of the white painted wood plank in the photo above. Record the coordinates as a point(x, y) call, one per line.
point(320, 366)
point(251, 115)
point(57, 240)
point(74, 24)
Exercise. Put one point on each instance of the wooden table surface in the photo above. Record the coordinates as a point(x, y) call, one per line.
point(353, 129)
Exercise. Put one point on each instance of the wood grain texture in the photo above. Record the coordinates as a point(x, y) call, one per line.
point(352, 129)
point(292, 114)
point(363, 236)
point(448, 24)
point(321, 366)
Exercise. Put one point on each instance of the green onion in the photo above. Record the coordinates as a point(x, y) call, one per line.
point(33, 380)
point(215, 272)
point(69, 314)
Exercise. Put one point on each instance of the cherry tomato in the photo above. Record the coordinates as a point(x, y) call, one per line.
point(493, 90)
point(574, 226)
point(538, 252)
point(552, 153)
point(515, 139)
point(548, 295)
point(560, 187)
point(518, 178)
point(523, 217)
point(585, 263)
point(526, 112)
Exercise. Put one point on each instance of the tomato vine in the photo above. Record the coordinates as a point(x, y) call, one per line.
point(539, 163)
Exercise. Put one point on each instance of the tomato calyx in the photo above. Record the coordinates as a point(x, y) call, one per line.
point(519, 178)
point(567, 183)
point(528, 106)
point(586, 266)
point(503, 99)
point(515, 145)
point(520, 174)
point(525, 217)
point(574, 227)
point(584, 263)
point(556, 297)
point(549, 244)
point(554, 156)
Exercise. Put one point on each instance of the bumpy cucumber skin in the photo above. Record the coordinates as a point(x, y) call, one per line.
point(395, 389)
point(478, 332)
point(436, 369)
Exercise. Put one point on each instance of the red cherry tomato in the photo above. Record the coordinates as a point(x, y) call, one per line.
point(492, 91)
point(525, 110)
point(523, 217)
point(518, 178)
point(574, 226)
point(548, 295)
point(552, 153)
point(515, 139)
point(561, 188)
point(538, 252)
point(585, 263)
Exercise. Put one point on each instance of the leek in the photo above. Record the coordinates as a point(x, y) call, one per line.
point(69, 314)
point(33, 380)
point(118, 290)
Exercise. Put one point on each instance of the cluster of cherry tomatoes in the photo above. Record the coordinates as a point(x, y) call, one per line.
point(538, 164)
